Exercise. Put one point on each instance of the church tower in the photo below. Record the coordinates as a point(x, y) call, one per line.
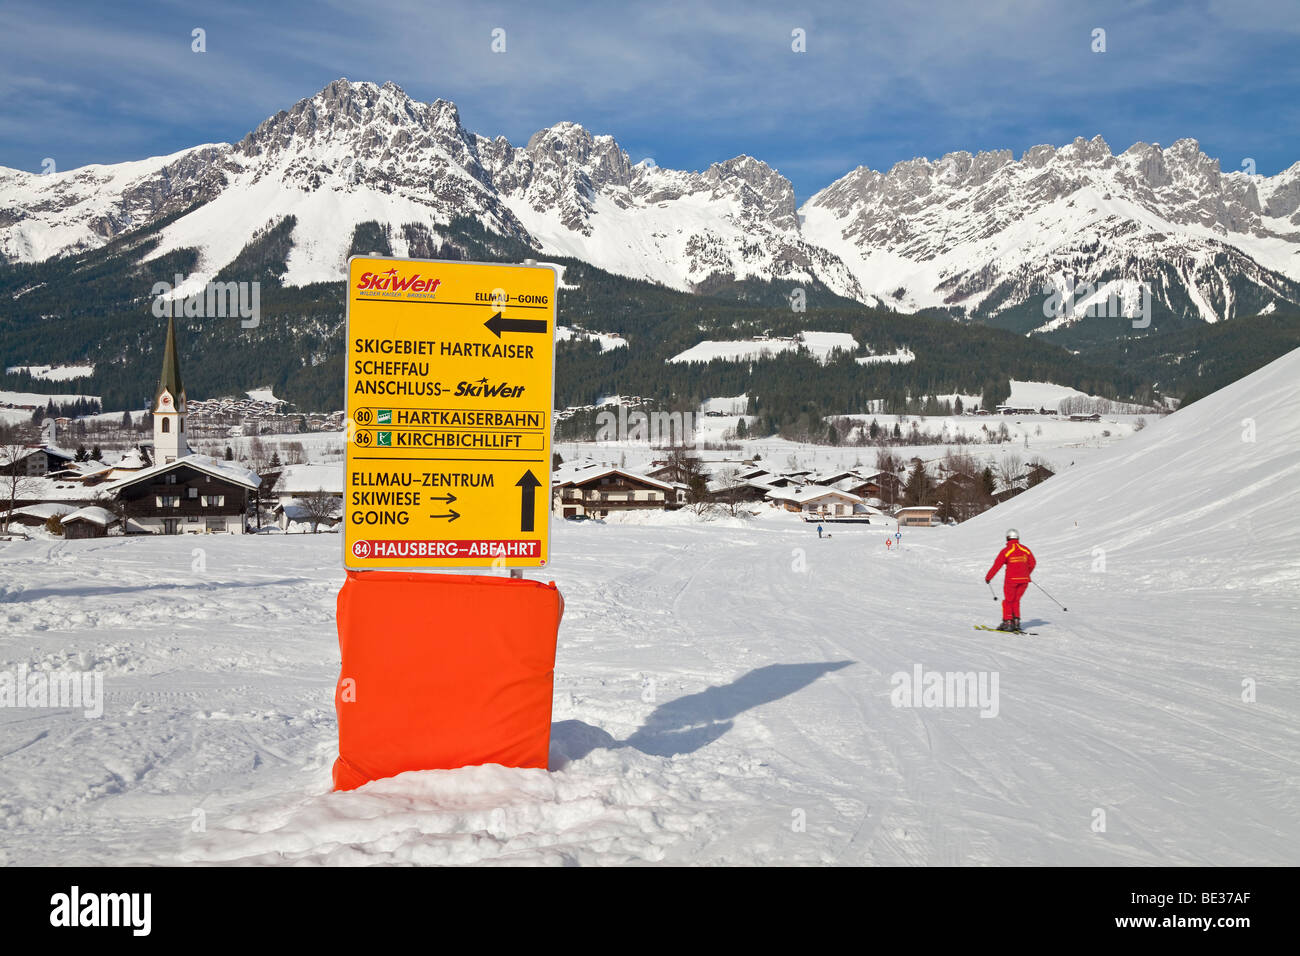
point(169, 406)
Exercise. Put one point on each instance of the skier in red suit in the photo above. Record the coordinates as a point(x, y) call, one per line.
point(1019, 562)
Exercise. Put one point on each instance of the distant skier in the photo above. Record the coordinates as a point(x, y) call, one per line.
point(1019, 562)
point(819, 531)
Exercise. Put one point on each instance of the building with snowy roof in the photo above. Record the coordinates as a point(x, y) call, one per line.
point(818, 502)
point(37, 460)
point(594, 491)
point(89, 522)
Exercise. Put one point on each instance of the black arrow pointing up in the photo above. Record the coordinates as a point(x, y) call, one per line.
point(450, 517)
point(496, 325)
point(528, 484)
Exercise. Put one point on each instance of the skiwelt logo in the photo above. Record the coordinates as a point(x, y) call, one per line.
point(394, 281)
point(481, 389)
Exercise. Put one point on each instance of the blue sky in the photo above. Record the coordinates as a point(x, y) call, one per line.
point(685, 83)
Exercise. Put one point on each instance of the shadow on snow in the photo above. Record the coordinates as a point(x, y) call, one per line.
point(689, 723)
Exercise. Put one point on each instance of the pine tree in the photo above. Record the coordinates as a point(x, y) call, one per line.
point(95, 453)
point(987, 484)
point(917, 489)
point(956, 406)
point(275, 459)
point(230, 455)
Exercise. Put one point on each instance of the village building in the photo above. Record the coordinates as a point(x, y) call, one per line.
point(36, 515)
point(302, 515)
point(294, 488)
point(881, 489)
point(960, 497)
point(673, 471)
point(916, 516)
point(594, 491)
point(192, 495)
point(732, 489)
point(38, 460)
point(89, 522)
point(819, 503)
point(293, 481)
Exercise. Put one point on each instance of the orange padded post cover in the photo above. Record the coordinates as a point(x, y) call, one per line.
point(443, 671)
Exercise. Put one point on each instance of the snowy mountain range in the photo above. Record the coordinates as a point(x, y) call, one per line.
point(984, 235)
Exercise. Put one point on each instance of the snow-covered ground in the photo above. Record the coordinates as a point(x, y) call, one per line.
point(42, 398)
point(724, 690)
point(607, 340)
point(1062, 444)
point(897, 357)
point(820, 344)
point(54, 373)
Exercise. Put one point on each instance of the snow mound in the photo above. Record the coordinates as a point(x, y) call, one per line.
point(613, 811)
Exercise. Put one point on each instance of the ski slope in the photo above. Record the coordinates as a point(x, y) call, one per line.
point(723, 689)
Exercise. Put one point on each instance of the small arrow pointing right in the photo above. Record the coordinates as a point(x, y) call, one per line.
point(454, 514)
point(447, 498)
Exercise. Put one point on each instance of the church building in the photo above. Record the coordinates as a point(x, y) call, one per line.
point(181, 492)
point(169, 406)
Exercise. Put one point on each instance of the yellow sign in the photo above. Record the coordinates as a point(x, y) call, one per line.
point(450, 385)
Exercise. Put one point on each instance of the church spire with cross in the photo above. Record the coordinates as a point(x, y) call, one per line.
point(169, 405)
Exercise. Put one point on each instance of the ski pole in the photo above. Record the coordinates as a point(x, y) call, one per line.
point(993, 592)
point(1054, 600)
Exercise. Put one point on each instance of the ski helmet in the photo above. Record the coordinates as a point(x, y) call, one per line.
point(1013, 534)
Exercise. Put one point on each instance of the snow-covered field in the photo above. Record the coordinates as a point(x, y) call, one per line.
point(1062, 444)
point(897, 357)
point(820, 344)
point(607, 341)
point(54, 373)
point(724, 690)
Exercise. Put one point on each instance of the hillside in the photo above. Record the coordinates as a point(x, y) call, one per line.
point(100, 305)
point(1203, 502)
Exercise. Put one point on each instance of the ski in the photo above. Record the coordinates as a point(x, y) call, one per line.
point(985, 627)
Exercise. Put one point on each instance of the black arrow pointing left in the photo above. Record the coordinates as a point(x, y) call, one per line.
point(497, 324)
